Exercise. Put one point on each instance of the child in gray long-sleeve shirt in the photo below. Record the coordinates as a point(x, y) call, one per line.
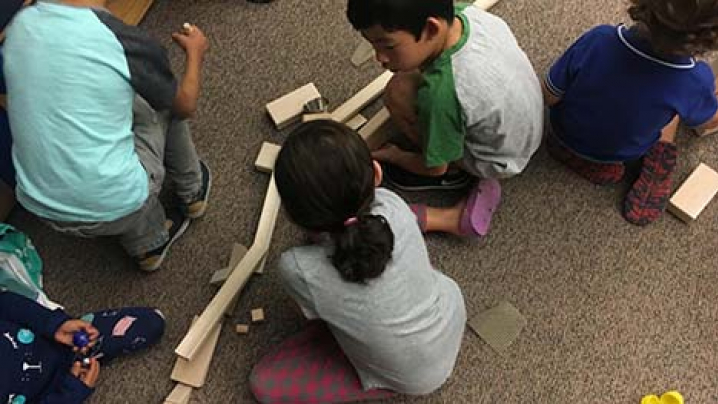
point(385, 320)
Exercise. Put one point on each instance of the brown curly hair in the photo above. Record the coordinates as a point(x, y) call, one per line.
point(677, 27)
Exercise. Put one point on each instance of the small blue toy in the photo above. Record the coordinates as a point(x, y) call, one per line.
point(80, 339)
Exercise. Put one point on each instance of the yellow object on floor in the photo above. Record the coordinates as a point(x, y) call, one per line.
point(671, 397)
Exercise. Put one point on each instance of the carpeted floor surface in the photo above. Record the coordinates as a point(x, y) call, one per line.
point(614, 311)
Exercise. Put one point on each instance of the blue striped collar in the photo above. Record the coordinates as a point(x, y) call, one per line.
point(624, 36)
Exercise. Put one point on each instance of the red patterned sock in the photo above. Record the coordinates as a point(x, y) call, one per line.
point(597, 173)
point(649, 195)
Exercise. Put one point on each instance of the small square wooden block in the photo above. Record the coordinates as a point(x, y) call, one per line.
point(257, 315)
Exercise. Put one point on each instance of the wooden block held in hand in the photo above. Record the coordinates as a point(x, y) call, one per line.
point(257, 315)
point(288, 109)
point(241, 328)
point(694, 194)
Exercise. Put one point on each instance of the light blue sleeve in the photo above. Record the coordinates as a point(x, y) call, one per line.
point(296, 286)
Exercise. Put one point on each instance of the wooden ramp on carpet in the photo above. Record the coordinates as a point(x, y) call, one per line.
point(129, 11)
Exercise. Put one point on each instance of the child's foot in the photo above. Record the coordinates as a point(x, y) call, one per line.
point(196, 208)
point(649, 195)
point(597, 173)
point(176, 224)
point(408, 181)
point(483, 200)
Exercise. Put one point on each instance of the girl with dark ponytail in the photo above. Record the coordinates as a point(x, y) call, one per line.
point(383, 320)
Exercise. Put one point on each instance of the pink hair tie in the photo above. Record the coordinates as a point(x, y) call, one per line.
point(352, 220)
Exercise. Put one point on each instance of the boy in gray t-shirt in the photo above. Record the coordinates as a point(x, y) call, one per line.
point(466, 95)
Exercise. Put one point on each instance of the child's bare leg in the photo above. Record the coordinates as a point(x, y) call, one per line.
point(445, 220)
point(649, 195)
point(400, 100)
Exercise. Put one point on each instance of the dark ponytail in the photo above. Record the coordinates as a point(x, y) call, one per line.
point(325, 177)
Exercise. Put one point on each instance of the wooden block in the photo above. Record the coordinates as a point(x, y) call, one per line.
point(215, 310)
point(241, 328)
point(257, 315)
point(179, 395)
point(130, 12)
point(366, 95)
point(485, 4)
point(356, 122)
point(238, 252)
point(315, 117)
point(266, 157)
point(371, 131)
point(194, 372)
point(694, 194)
point(363, 53)
point(287, 109)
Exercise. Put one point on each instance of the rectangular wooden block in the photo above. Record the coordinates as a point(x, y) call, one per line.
point(238, 252)
point(694, 194)
point(257, 315)
point(130, 12)
point(356, 122)
point(317, 116)
point(371, 131)
point(241, 328)
point(267, 156)
point(179, 395)
point(194, 372)
point(361, 99)
point(288, 109)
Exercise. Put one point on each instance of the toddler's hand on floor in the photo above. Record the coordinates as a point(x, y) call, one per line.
point(66, 331)
point(87, 374)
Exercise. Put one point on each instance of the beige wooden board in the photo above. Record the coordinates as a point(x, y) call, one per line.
point(222, 301)
point(194, 372)
point(238, 251)
point(130, 12)
point(241, 328)
point(498, 326)
point(485, 4)
point(694, 194)
point(356, 122)
point(315, 117)
point(361, 99)
point(372, 133)
point(288, 108)
point(179, 395)
point(266, 157)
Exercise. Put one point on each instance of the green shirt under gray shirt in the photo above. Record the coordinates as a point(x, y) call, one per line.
point(480, 103)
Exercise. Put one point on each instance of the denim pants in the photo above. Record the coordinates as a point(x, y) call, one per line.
point(163, 144)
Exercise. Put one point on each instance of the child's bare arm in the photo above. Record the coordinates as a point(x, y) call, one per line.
point(409, 161)
point(195, 44)
point(549, 98)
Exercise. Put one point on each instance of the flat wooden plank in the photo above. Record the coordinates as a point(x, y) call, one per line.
point(315, 117)
point(238, 251)
point(288, 109)
point(356, 122)
point(215, 310)
point(130, 12)
point(179, 395)
point(194, 372)
point(266, 157)
point(694, 194)
point(371, 131)
point(361, 99)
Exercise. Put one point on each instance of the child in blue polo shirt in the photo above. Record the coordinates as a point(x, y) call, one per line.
point(618, 93)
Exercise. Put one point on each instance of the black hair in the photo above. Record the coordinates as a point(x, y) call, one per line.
point(677, 27)
point(325, 177)
point(395, 15)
